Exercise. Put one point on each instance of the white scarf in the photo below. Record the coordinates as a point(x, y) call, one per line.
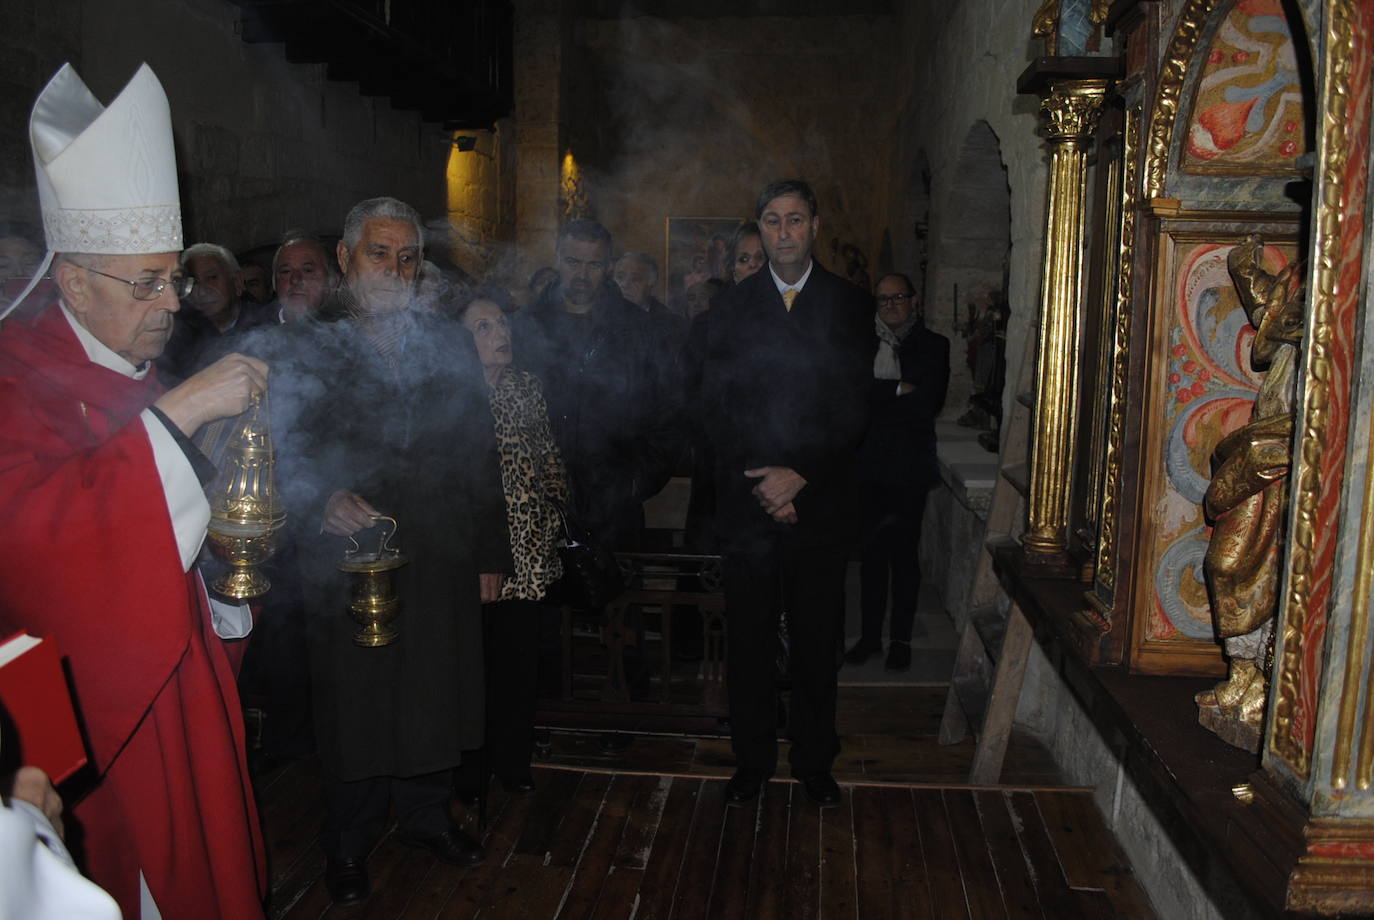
point(887, 364)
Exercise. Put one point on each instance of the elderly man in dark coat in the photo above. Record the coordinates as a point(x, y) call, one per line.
point(383, 412)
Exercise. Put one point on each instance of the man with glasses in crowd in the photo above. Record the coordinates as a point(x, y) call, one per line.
point(897, 467)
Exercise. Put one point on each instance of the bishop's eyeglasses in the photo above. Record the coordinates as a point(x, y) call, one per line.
point(152, 288)
point(892, 298)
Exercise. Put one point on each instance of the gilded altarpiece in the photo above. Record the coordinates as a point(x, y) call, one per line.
point(1248, 117)
point(1200, 388)
point(1338, 289)
point(1320, 733)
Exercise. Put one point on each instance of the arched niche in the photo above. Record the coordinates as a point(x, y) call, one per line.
point(969, 248)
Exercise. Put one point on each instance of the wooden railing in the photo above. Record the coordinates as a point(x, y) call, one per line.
point(634, 665)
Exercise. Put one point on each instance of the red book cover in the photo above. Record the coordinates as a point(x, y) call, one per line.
point(33, 691)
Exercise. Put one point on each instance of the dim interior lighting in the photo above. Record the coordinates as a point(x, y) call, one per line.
point(465, 142)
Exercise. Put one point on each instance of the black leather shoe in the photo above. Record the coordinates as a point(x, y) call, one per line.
point(898, 656)
point(519, 786)
point(822, 789)
point(862, 651)
point(346, 880)
point(452, 846)
point(745, 786)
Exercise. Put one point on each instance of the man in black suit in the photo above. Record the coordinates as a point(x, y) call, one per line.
point(898, 467)
point(789, 355)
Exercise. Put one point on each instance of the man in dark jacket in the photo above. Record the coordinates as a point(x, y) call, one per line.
point(599, 359)
point(382, 411)
point(898, 467)
point(785, 383)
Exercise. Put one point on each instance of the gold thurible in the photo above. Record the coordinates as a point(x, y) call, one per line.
point(373, 603)
point(244, 514)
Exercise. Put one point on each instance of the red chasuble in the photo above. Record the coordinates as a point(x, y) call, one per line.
point(88, 555)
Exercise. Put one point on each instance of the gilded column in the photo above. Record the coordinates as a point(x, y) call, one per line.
point(1071, 110)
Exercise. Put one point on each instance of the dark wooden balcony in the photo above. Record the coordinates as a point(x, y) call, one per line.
point(451, 62)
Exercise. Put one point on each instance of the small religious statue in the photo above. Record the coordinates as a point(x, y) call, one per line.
point(987, 359)
point(1247, 500)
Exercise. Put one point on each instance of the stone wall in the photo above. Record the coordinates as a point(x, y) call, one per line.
point(691, 117)
point(480, 186)
point(262, 144)
point(1182, 884)
point(960, 74)
point(539, 41)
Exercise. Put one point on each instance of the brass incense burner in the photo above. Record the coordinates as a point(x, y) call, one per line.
point(244, 515)
point(373, 603)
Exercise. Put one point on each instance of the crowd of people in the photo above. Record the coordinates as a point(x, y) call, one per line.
point(803, 409)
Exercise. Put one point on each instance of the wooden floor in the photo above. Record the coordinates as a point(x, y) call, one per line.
point(618, 845)
point(644, 833)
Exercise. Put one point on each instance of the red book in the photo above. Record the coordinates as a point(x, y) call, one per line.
point(33, 690)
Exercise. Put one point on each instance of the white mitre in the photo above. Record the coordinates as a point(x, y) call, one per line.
point(107, 177)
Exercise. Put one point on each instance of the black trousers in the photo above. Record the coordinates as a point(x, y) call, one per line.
point(510, 638)
point(891, 548)
point(356, 811)
point(511, 635)
point(760, 582)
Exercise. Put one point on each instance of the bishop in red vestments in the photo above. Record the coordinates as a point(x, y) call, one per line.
point(104, 516)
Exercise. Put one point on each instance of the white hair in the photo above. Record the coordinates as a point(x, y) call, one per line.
point(211, 249)
point(380, 209)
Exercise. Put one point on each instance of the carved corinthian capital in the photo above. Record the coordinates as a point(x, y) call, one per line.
point(1071, 109)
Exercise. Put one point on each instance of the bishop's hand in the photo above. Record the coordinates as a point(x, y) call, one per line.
point(223, 389)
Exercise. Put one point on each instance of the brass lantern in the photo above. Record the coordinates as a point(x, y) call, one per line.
point(244, 515)
point(373, 603)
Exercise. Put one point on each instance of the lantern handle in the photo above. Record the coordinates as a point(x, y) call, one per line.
point(385, 546)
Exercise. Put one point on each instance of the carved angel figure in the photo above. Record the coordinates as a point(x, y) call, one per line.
point(1247, 500)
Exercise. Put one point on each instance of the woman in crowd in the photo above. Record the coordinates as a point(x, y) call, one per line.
point(746, 251)
point(531, 473)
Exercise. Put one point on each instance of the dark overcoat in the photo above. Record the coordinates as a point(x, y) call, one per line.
point(789, 389)
point(614, 411)
point(417, 443)
point(899, 450)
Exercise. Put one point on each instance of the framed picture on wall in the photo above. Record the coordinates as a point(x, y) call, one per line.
point(695, 249)
point(1201, 386)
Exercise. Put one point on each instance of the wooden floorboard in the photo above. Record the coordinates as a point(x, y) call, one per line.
point(594, 862)
point(981, 890)
point(645, 835)
point(1008, 860)
point(947, 899)
point(838, 885)
point(768, 875)
point(802, 889)
point(663, 865)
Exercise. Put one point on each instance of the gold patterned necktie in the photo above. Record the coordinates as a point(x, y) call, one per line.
point(788, 296)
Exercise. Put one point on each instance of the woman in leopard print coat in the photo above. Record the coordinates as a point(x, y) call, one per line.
point(532, 471)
